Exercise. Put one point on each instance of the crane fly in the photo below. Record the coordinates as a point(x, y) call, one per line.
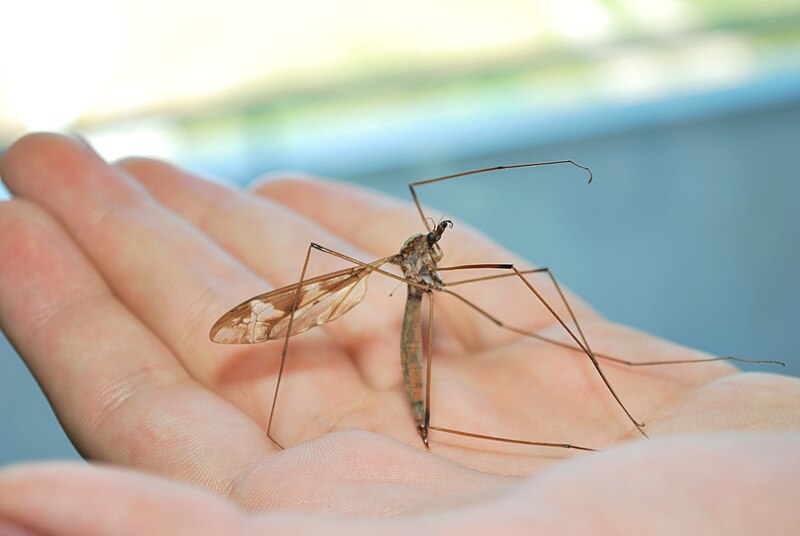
point(293, 309)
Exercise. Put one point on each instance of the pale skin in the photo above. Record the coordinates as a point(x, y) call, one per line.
point(113, 274)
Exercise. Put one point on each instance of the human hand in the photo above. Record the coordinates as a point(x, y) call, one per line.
point(117, 273)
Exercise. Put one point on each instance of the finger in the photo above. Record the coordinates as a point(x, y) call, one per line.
point(132, 503)
point(367, 218)
point(353, 474)
point(272, 240)
point(118, 391)
point(757, 467)
point(268, 237)
point(171, 276)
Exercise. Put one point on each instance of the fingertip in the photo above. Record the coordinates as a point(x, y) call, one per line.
point(285, 180)
point(321, 199)
point(306, 192)
point(32, 148)
point(152, 173)
point(159, 175)
point(18, 152)
point(34, 161)
point(141, 165)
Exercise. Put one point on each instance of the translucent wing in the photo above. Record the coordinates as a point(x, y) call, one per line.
point(266, 316)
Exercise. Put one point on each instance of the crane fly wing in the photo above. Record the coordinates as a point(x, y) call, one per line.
point(266, 316)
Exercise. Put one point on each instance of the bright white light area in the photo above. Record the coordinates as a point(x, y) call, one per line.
point(703, 59)
point(690, 65)
point(105, 59)
point(155, 139)
point(54, 57)
point(183, 53)
point(578, 21)
point(89, 63)
point(661, 15)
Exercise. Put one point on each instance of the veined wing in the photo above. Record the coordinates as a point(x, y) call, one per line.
point(266, 316)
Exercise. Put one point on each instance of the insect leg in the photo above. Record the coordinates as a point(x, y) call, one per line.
point(427, 425)
point(580, 342)
point(428, 361)
point(286, 346)
point(575, 348)
point(484, 170)
point(373, 267)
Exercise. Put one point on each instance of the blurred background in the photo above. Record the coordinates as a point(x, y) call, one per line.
point(687, 111)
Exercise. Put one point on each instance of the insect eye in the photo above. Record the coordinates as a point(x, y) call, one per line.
point(431, 238)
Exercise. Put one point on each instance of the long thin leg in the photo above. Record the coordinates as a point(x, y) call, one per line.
point(585, 345)
point(509, 440)
point(427, 425)
point(366, 265)
point(285, 350)
point(568, 346)
point(482, 278)
point(484, 170)
point(581, 344)
point(286, 346)
point(428, 362)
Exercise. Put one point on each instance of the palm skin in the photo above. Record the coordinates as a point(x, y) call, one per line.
point(117, 272)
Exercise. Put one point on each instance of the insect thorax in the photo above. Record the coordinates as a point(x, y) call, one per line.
point(418, 259)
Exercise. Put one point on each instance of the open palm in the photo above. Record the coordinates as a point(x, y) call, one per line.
point(116, 274)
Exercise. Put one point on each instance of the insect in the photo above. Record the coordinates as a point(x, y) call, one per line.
point(293, 309)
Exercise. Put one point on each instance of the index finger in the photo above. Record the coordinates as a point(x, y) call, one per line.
point(172, 277)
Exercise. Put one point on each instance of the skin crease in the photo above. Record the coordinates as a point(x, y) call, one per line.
point(112, 275)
